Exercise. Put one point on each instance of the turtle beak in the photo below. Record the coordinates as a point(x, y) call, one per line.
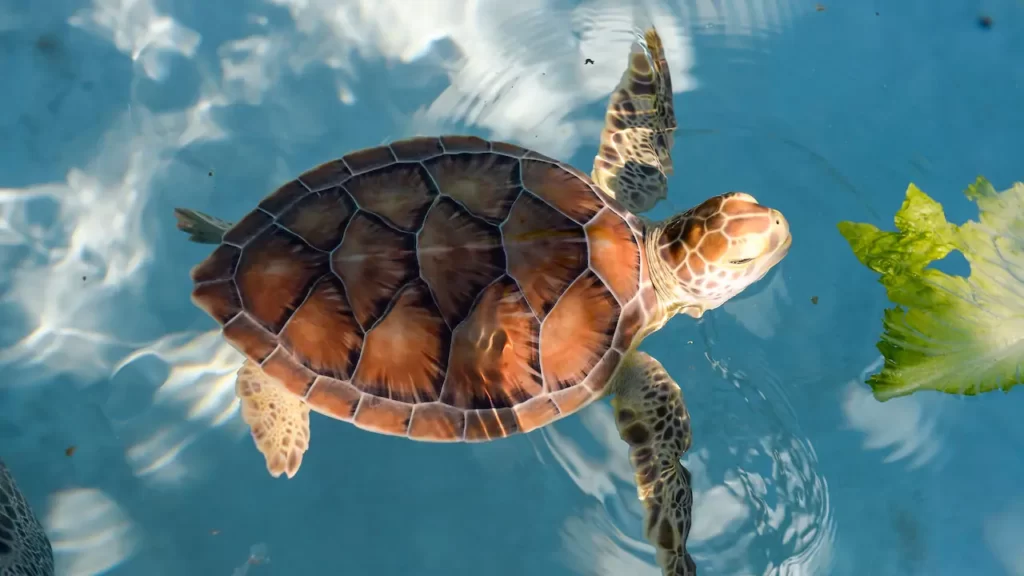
point(781, 238)
point(778, 244)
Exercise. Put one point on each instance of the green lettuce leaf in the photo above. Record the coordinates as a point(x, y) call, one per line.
point(949, 333)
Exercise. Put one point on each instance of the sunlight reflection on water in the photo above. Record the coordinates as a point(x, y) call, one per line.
point(89, 532)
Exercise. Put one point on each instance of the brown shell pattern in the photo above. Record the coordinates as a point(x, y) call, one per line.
point(444, 289)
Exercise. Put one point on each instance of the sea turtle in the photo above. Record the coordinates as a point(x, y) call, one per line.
point(455, 289)
point(24, 548)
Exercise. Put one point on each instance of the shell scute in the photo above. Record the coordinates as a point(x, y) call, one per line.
point(631, 321)
point(572, 195)
point(286, 369)
point(219, 299)
point(275, 273)
point(459, 255)
point(494, 354)
point(417, 149)
point(578, 332)
point(369, 159)
point(484, 425)
point(249, 337)
point(248, 228)
point(454, 144)
point(614, 254)
point(601, 374)
point(486, 184)
point(536, 413)
point(320, 218)
point(323, 333)
point(334, 398)
point(534, 155)
point(405, 355)
point(400, 194)
point(572, 399)
point(324, 177)
point(383, 416)
point(375, 260)
point(280, 199)
point(546, 251)
point(437, 422)
point(219, 265)
point(509, 149)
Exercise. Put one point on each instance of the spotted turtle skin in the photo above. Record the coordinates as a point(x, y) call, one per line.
point(440, 288)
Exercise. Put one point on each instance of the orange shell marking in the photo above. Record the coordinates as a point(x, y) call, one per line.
point(445, 289)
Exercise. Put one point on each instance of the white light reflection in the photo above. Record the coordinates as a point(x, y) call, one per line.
point(199, 390)
point(906, 426)
point(89, 531)
point(137, 29)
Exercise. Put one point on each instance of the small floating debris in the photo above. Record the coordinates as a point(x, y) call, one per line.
point(985, 21)
point(819, 7)
point(814, 300)
point(70, 450)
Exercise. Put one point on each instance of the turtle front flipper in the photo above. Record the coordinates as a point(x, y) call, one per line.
point(279, 420)
point(24, 547)
point(651, 417)
point(635, 154)
point(201, 228)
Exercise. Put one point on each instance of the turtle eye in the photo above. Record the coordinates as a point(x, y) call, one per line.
point(740, 262)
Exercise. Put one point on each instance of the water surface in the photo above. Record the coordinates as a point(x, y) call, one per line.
point(115, 111)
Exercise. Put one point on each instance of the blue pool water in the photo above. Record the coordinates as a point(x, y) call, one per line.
point(112, 112)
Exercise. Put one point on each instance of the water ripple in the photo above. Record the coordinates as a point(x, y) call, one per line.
point(759, 505)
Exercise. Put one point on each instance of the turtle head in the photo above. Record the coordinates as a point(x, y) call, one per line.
point(713, 251)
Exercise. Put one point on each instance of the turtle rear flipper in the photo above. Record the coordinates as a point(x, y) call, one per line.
point(24, 547)
point(651, 417)
point(279, 420)
point(201, 228)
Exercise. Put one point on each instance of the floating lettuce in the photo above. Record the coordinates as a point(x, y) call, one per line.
point(949, 333)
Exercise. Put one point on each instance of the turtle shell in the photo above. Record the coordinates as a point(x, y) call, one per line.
point(443, 289)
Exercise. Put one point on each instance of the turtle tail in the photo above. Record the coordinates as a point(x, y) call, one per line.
point(201, 228)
